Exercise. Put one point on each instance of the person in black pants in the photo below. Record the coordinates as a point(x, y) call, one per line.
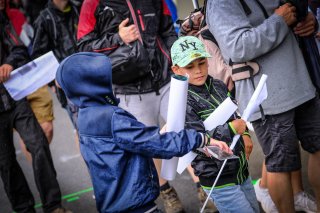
point(18, 115)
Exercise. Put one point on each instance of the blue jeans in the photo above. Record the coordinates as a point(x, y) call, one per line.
point(237, 198)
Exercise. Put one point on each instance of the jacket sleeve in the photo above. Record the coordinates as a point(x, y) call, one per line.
point(98, 29)
point(18, 56)
point(166, 30)
point(193, 121)
point(237, 38)
point(41, 40)
point(133, 136)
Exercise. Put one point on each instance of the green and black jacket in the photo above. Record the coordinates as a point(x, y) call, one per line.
point(202, 101)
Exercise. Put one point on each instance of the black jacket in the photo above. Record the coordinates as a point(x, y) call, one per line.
point(13, 52)
point(202, 101)
point(56, 30)
point(98, 32)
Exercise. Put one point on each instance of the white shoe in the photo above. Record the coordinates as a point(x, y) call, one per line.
point(264, 198)
point(305, 202)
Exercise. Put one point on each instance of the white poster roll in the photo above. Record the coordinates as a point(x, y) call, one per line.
point(175, 119)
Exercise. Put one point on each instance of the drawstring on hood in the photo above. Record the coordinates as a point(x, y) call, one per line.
point(86, 79)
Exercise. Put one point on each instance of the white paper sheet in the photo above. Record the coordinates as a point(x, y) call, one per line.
point(216, 118)
point(175, 119)
point(30, 77)
point(220, 115)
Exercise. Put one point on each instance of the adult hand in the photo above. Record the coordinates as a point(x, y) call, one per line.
point(239, 125)
point(248, 145)
point(128, 34)
point(5, 71)
point(288, 13)
point(306, 27)
point(222, 145)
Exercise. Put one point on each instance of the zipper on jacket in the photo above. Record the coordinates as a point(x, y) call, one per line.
point(141, 20)
point(151, 174)
point(14, 39)
point(134, 18)
point(106, 49)
point(162, 50)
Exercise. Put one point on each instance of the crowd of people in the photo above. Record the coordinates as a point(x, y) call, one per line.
point(88, 36)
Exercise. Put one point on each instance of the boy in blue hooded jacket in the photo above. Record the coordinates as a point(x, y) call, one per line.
point(117, 148)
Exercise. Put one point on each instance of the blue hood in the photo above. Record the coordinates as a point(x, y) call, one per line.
point(86, 79)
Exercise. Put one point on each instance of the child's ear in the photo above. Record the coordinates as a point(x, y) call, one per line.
point(176, 70)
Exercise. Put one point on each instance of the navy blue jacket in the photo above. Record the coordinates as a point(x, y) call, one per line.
point(117, 148)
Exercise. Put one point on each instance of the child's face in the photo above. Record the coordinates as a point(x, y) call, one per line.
point(197, 71)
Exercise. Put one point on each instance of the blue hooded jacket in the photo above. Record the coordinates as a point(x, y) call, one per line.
point(117, 148)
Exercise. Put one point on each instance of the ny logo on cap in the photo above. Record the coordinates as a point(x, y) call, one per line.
point(185, 45)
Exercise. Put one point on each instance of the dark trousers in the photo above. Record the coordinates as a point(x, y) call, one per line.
point(23, 120)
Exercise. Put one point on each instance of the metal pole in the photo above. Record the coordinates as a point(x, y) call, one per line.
point(214, 184)
point(233, 144)
point(195, 4)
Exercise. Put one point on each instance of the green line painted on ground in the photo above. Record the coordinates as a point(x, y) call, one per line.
point(69, 197)
point(77, 193)
point(73, 199)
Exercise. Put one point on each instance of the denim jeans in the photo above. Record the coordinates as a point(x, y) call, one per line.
point(237, 198)
point(24, 121)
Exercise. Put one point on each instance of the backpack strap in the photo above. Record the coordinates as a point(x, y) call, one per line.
point(245, 7)
point(248, 11)
point(51, 18)
point(263, 9)
point(207, 35)
point(204, 12)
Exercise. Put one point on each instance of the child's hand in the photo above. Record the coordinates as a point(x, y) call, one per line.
point(163, 129)
point(239, 125)
point(222, 145)
point(248, 145)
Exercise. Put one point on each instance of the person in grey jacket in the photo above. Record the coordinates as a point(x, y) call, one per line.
point(265, 33)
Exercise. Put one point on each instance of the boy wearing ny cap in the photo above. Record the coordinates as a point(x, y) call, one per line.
point(234, 191)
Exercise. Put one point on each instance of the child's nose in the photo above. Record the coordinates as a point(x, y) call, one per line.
point(197, 70)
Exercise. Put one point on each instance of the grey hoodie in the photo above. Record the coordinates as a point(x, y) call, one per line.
point(271, 43)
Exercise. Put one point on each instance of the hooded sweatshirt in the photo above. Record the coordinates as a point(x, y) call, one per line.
point(117, 148)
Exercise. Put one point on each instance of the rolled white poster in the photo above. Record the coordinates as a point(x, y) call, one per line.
point(175, 119)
